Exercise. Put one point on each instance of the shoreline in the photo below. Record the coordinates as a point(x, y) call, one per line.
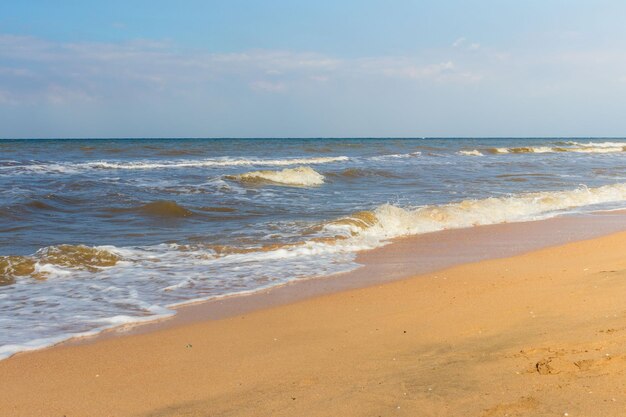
point(400, 259)
point(395, 261)
point(540, 332)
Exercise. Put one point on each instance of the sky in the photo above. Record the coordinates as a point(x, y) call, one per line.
point(275, 68)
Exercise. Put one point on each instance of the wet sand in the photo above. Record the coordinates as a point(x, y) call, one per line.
point(537, 334)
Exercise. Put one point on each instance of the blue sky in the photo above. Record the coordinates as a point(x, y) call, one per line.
point(304, 69)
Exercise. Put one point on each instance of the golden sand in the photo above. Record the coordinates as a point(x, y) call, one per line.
point(540, 334)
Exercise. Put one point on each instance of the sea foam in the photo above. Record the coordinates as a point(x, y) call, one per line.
point(562, 147)
point(473, 152)
point(86, 289)
point(73, 168)
point(389, 221)
point(300, 176)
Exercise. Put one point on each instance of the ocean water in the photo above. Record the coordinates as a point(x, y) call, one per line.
point(97, 233)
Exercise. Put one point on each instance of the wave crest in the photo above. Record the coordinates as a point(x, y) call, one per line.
point(300, 176)
point(146, 281)
point(569, 146)
point(223, 162)
point(73, 168)
point(15, 266)
point(39, 265)
point(389, 221)
point(474, 152)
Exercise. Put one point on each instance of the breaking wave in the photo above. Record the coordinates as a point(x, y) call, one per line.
point(46, 261)
point(395, 156)
point(72, 168)
point(598, 147)
point(223, 162)
point(120, 285)
point(361, 230)
point(569, 146)
point(389, 221)
point(299, 176)
point(474, 152)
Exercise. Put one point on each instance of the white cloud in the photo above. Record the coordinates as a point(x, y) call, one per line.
point(76, 72)
point(411, 69)
point(319, 78)
point(158, 85)
point(464, 43)
point(427, 71)
point(272, 87)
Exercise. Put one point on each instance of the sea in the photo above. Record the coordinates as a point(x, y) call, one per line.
point(97, 233)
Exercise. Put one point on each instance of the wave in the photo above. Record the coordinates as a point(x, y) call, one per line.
point(474, 152)
point(163, 208)
point(44, 261)
point(159, 208)
point(569, 146)
point(525, 177)
point(43, 205)
point(524, 149)
point(395, 156)
point(218, 209)
point(145, 283)
point(118, 285)
point(14, 266)
point(389, 221)
point(221, 162)
point(73, 168)
point(39, 205)
point(597, 147)
point(299, 176)
point(363, 172)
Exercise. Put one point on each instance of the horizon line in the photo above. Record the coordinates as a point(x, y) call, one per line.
point(310, 137)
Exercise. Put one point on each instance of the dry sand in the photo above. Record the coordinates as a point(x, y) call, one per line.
point(539, 334)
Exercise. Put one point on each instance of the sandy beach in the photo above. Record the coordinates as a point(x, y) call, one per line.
point(312, 209)
point(537, 334)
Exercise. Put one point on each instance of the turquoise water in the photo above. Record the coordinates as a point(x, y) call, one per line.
point(95, 233)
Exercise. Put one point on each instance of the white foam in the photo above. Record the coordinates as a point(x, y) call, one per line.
point(299, 176)
point(570, 146)
point(40, 168)
point(526, 149)
point(474, 152)
point(393, 221)
point(598, 144)
point(395, 156)
point(8, 350)
point(72, 168)
point(597, 147)
point(223, 162)
point(138, 288)
point(542, 149)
